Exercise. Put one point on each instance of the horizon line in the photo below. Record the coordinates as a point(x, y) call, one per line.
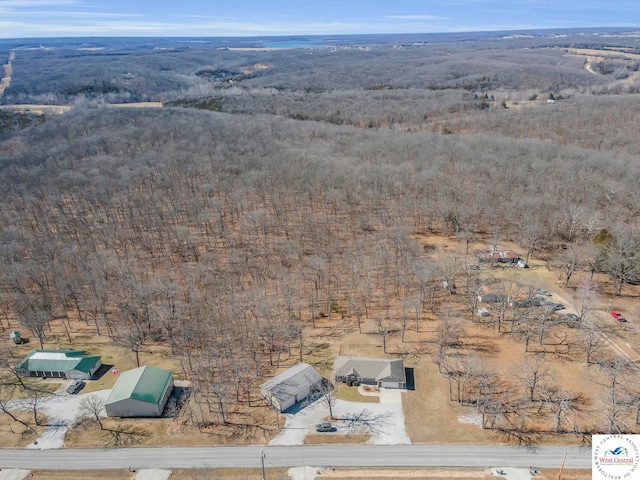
point(622, 29)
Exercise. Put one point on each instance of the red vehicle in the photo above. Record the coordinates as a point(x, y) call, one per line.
point(617, 315)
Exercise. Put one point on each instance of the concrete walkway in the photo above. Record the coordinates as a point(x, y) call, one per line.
point(152, 474)
point(13, 474)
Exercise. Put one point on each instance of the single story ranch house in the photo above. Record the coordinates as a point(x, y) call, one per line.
point(59, 364)
point(382, 372)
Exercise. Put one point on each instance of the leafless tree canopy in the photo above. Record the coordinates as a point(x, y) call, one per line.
point(258, 201)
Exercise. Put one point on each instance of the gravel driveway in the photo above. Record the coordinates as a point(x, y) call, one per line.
point(62, 412)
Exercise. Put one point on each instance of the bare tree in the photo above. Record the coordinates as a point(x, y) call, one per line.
point(471, 294)
point(533, 374)
point(327, 391)
point(614, 375)
point(367, 420)
point(568, 261)
point(592, 341)
point(562, 404)
point(448, 335)
point(586, 299)
point(622, 263)
point(36, 320)
point(92, 408)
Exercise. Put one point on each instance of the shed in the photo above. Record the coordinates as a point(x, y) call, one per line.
point(291, 386)
point(16, 337)
point(382, 372)
point(60, 364)
point(141, 392)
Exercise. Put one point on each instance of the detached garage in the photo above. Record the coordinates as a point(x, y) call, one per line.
point(141, 392)
point(291, 386)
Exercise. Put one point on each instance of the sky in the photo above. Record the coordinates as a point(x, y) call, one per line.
point(222, 18)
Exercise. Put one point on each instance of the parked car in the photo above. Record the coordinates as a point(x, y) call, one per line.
point(324, 427)
point(75, 387)
point(617, 315)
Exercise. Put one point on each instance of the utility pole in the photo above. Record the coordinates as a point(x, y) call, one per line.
point(562, 466)
point(262, 455)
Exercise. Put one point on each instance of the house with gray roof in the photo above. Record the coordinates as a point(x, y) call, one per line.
point(59, 364)
point(291, 386)
point(141, 392)
point(382, 372)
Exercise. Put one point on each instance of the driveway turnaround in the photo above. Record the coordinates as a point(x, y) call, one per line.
point(298, 456)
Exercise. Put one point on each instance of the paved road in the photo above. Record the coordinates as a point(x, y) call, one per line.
point(313, 455)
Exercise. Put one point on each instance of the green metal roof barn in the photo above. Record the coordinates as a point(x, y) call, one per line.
point(141, 392)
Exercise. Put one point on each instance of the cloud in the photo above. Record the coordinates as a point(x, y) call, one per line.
point(19, 5)
point(415, 17)
point(20, 8)
point(69, 14)
point(102, 27)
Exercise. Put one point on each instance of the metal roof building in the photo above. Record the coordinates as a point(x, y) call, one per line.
point(141, 392)
point(383, 372)
point(60, 364)
point(291, 386)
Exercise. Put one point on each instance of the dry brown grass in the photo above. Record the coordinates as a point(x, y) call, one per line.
point(333, 439)
point(399, 474)
point(351, 394)
point(338, 474)
point(81, 475)
point(429, 415)
point(553, 474)
point(179, 474)
point(442, 473)
point(228, 474)
point(13, 434)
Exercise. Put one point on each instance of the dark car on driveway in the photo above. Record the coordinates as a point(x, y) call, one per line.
point(75, 387)
point(324, 427)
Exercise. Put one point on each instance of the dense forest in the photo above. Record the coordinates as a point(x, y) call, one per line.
point(277, 187)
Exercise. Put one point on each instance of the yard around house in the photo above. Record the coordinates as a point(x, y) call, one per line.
point(430, 417)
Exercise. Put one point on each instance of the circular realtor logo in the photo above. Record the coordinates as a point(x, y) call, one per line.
point(615, 457)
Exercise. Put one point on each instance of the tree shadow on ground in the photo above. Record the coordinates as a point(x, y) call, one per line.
point(176, 402)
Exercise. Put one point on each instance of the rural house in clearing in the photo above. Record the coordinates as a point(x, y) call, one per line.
point(291, 386)
point(505, 256)
point(59, 364)
point(382, 372)
point(141, 392)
